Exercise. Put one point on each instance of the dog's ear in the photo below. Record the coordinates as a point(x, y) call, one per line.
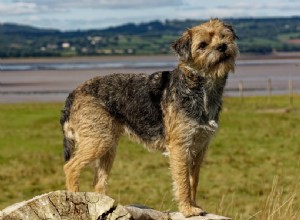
point(232, 30)
point(182, 46)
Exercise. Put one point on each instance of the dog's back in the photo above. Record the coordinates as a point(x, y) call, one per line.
point(134, 100)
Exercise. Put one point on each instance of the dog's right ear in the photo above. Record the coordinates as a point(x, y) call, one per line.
point(182, 46)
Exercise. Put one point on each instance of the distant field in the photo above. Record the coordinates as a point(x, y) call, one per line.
point(257, 142)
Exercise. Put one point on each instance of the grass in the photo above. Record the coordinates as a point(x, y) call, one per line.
point(251, 170)
point(288, 36)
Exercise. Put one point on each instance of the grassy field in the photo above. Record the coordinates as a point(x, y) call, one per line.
point(251, 170)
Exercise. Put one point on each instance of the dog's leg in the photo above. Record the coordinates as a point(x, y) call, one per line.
point(96, 133)
point(180, 174)
point(89, 150)
point(194, 170)
point(102, 169)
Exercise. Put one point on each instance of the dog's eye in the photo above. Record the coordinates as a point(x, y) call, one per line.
point(202, 45)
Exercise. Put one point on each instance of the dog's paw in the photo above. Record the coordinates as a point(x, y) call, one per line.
point(188, 210)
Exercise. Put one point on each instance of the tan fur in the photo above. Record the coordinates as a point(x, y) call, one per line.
point(186, 143)
point(96, 135)
point(213, 33)
point(96, 132)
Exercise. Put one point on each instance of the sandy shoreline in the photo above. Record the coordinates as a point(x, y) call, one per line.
point(54, 85)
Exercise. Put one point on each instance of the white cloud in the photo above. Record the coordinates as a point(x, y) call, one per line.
point(15, 7)
point(262, 6)
point(84, 14)
point(18, 8)
point(105, 4)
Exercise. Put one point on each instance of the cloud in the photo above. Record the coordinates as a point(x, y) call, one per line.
point(18, 8)
point(262, 6)
point(84, 14)
point(105, 4)
point(15, 7)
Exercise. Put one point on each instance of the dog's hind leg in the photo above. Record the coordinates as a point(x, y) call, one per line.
point(96, 135)
point(103, 166)
point(88, 151)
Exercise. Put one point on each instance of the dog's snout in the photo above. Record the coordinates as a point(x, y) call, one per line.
point(222, 47)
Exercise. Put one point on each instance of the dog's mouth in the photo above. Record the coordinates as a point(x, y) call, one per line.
point(221, 58)
point(224, 57)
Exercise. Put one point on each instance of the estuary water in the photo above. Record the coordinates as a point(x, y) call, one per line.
point(44, 80)
point(35, 66)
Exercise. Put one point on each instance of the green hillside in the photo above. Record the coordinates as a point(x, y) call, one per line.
point(257, 35)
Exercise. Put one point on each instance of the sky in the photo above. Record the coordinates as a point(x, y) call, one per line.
point(95, 14)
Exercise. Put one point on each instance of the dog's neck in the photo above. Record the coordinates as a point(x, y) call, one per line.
point(189, 71)
point(213, 87)
point(194, 74)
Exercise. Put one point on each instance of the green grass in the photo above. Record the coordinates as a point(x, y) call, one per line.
point(288, 36)
point(262, 42)
point(256, 142)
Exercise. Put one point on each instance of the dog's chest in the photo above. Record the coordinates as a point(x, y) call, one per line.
point(202, 107)
point(199, 138)
point(212, 101)
point(201, 104)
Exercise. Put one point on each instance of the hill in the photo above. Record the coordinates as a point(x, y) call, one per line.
point(257, 35)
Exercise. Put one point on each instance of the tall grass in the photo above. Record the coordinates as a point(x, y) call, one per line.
point(281, 203)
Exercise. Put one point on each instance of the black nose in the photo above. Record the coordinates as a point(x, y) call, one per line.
point(222, 47)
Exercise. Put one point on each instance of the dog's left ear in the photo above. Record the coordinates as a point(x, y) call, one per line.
point(232, 30)
point(182, 46)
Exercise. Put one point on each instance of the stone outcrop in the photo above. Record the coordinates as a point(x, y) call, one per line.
point(62, 205)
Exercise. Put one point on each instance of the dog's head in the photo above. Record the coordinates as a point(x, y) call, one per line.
point(209, 48)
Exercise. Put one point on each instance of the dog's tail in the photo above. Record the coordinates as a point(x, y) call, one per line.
point(68, 137)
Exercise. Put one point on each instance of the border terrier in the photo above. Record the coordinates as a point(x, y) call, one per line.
point(176, 112)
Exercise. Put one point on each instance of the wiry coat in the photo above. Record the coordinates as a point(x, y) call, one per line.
point(139, 101)
point(176, 112)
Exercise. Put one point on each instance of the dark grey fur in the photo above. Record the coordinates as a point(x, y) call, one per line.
point(137, 100)
point(190, 99)
point(134, 99)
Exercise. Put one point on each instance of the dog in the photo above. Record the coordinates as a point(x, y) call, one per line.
point(176, 112)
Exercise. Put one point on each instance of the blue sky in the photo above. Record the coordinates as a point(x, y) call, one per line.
point(87, 14)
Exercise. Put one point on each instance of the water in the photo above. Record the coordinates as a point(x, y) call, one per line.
point(85, 65)
point(123, 64)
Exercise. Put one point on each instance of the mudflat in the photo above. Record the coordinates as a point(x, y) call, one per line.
point(53, 85)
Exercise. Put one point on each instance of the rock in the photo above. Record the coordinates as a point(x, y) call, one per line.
point(208, 216)
point(145, 213)
point(62, 205)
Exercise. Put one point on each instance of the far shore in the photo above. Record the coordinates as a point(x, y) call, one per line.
point(169, 57)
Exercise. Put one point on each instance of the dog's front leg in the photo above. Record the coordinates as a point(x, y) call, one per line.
point(194, 170)
point(180, 173)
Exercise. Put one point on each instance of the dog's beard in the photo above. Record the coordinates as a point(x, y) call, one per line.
point(215, 58)
point(217, 64)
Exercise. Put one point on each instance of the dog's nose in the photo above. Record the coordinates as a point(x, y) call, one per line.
point(222, 47)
